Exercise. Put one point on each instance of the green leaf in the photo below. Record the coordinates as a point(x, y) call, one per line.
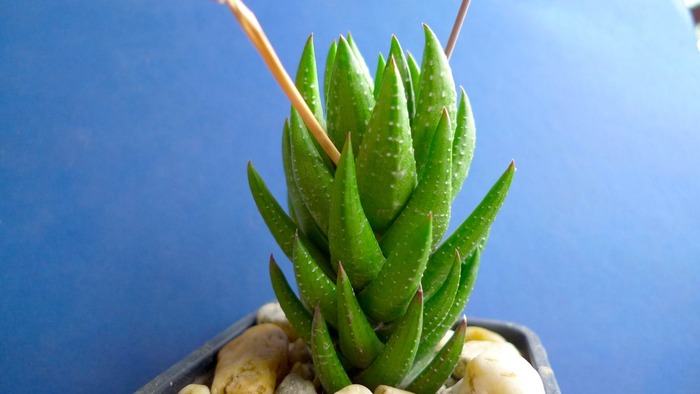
point(436, 310)
point(387, 297)
point(386, 169)
point(463, 144)
point(381, 64)
point(396, 52)
point(312, 177)
point(395, 361)
point(437, 372)
point(468, 235)
point(328, 73)
point(414, 69)
point(358, 341)
point(307, 83)
point(350, 99)
point(466, 283)
point(314, 285)
point(432, 194)
point(437, 91)
point(328, 367)
point(439, 305)
point(350, 236)
point(298, 211)
point(296, 313)
point(281, 226)
point(360, 60)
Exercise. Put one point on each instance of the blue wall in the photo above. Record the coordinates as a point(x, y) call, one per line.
point(128, 236)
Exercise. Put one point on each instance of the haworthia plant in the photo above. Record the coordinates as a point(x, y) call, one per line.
point(377, 286)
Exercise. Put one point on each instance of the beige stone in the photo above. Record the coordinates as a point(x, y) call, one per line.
point(305, 370)
point(253, 362)
point(459, 388)
point(354, 389)
point(295, 384)
point(272, 313)
point(194, 389)
point(498, 371)
point(390, 390)
point(482, 334)
point(473, 349)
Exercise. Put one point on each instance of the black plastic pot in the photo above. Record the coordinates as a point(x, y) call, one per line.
point(198, 367)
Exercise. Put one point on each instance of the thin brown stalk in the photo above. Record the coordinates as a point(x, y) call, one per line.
point(257, 36)
point(459, 21)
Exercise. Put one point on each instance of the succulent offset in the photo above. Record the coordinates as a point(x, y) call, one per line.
point(378, 287)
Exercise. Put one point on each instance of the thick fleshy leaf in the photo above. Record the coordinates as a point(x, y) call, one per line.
point(440, 368)
point(307, 83)
point(414, 68)
point(432, 194)
point(463, 144)
point(293, 308)
point(311, 175)
point(360, 59)
point(328, 73)
point(439, 305)
point(395, 361)
point(350, 99)
point(357, 338)
point(386, 169)
point(350, 236)
point(315, 287)
point(468, 234)
point(386, 298)
point(297, 209)
point(328, 367)
point(437, 91)
point(430, 339)
point(281, 226)
point(397, 53)
point(381, 64)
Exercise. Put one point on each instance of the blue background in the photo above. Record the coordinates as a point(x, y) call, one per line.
point(128, 236)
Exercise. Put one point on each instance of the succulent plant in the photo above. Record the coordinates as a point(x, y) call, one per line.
point(378, 288)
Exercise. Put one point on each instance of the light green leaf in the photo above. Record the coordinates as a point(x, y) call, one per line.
point(328, 73)
point(432, 194)
point(350, 99)
point(298, 211)
point(281, 226)
point(437, 91)
point(350, 236)
point(312, 177)
point(386, 169)
point(395, 361)
point(387, 297)
point(315, 287)
point(463, 145)
point(296, 313)
point(414, 69)
point(357, 338)
point(468, 234)
point(328, 367)
point(442, 365)
point(397, 53)
point(360, 60)
point(381, 64)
